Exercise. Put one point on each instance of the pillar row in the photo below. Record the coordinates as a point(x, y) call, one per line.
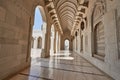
point(46, 49)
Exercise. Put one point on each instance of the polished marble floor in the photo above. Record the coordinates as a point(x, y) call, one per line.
point(64, 65)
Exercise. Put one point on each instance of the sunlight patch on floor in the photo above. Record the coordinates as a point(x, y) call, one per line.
point(66, 58)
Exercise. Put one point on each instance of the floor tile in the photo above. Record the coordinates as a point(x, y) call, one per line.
point(61, 66)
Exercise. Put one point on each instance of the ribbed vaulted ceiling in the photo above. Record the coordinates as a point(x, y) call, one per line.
point(66, 10)
point(67, 14)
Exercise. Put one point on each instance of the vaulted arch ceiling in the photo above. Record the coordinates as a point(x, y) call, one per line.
point(67, 13)
point(66, 10)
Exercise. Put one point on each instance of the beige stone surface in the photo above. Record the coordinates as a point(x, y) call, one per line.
point(75, 20)
point(61, 67)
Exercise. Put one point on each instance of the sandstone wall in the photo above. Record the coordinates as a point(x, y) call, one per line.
point(109, 16)
point(16, 21)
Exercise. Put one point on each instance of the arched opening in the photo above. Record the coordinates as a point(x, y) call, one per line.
point(37, 32)
point(66, 44)
point(81, 43)
point(39, 44)
point(99, 41)
point(82, 25)
point(76, 34)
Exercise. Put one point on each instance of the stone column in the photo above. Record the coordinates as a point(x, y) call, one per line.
point(70, 44)
point(55, 42)
point(75, 43)
point(28, 58)
point(43, 39)
point(46, 51)
point(59, 41)
point(43, 35)
point(52, 46)
point(35, 43)
point(78, 44)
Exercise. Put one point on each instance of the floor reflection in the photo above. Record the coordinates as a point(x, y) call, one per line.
point(63, 65)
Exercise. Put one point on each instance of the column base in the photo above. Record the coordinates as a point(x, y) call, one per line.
point(44, 54)
point(51, 52)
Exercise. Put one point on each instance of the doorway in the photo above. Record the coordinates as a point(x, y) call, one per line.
point(66, 44)
point(37, 34)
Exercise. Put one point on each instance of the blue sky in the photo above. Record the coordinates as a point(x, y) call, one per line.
point(37, 19)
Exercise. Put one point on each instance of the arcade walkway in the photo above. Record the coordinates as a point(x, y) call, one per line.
point(63, 66)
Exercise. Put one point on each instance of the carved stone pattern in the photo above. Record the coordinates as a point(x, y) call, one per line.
point(99, 40)
point(99, 10)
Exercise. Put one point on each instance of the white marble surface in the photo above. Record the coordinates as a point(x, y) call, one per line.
point(64, 65)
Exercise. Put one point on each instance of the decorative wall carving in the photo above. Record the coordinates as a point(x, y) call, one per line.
point(99, 40)
point(98, 10)
point(98, 29)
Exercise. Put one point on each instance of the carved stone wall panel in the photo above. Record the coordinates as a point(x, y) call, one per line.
point(98, 28)
point(98, 10)
point(99, 40)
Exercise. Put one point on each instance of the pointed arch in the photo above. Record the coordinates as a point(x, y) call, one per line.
point(66, 44)
point(39, 45)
